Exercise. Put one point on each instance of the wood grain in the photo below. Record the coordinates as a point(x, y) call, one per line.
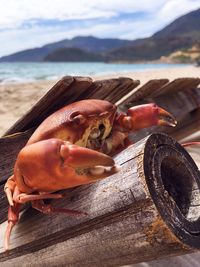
point(146, 90)
point(9, 148)
point(124, 225)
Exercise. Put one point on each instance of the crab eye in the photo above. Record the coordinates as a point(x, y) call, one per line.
point(79, 119)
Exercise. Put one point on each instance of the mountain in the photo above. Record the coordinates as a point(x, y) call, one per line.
point(150, 49)
point(73, 55)
point(185, 26)
point(182, 33)
point(87, 43)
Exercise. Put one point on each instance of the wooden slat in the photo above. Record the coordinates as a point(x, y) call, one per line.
point(146, 90)
point(111, 89)
point(189, 125)
point(126, 85)
point(179, 84)
point(100, 89)
point(67, 90)
point(180, 103)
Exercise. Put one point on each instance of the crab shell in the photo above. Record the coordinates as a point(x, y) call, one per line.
point(77, 122)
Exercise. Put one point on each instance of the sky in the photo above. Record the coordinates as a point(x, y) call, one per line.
point(32, 23)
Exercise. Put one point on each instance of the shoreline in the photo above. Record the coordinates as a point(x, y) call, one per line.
point(17, 99)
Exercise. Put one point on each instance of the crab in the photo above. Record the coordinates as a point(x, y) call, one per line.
point(71, 147)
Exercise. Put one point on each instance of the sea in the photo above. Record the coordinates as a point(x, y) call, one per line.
point(31, 71)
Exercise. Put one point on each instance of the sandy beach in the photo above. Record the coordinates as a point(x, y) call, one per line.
point(17, 99)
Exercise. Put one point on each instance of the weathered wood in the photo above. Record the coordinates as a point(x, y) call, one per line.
point(179, 84)
point(188, 126)
point(65, 91)
point(155, 88)
point(180, 103)
point(9, 148)
point(139, 214)
point(146, 90)
point(111, 89)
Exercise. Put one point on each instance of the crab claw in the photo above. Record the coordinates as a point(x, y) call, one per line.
point(54, 164)
point(96, 164)
point(144, 116)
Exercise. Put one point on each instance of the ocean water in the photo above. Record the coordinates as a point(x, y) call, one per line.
point(28, 72)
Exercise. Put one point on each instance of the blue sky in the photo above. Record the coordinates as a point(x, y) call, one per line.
point(33, 23)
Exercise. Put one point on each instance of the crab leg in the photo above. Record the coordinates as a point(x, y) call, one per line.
point(48, 209)
point(13, 217)
point(9, 189)
point(190, 144)
point(23, 198)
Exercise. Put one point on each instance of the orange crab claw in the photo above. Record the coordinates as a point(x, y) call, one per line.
point(144, 116)
point(62, 164)
point(95, 163)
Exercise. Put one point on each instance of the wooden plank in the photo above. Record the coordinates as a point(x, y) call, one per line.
point(100, 89)
point(111, 89)
point(126, 85)
point(146, 90)
point(123, 225)
point(189, 125)
point(67, 90)
point(174, 102)
point(179, 84)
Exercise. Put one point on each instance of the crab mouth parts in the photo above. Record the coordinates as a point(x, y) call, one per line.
point(94, 144)
point(95, 140)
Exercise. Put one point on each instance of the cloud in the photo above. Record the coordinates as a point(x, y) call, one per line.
point(25, 24)
point(174, 9)
point(15, 13)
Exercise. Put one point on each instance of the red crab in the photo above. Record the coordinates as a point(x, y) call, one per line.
point(71, 147)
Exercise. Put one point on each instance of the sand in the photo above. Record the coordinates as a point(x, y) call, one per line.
point(17, 99)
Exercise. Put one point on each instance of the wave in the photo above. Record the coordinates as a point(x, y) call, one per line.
point(15, 80)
